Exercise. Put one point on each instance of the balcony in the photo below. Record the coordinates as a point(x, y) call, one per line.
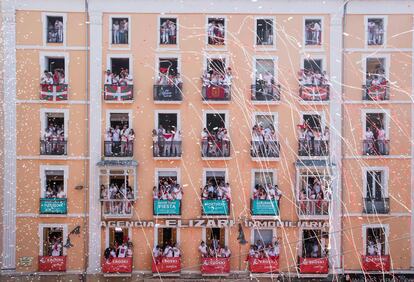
point(215, 207)
point(375, 92)
point(215, 266)
point(117, 265)
point(54, 92)
point(166, 149)
point(54, 148)
point(264, 207)
point(313, 148)
point(216, 93)
point(168, 93)
point(313, 208)
point(52, 263)
point(119, 149)
point(166, 265)
point(317, 93)
point(215, 149)
point(118, 92)
point(268, 149)
point(53, 206)
point(313, 265)
point(264, 265)
point(167, 207)
point(117, 208)
point(376, 263)
point(376, 147)
point(261, 92)
point(376, 206)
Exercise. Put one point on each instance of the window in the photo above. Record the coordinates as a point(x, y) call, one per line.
point(314, 193)
point(167, 186)
point(166, 237)
point(167, 122)
point(52, 241)
point(263, 237)
point(216, 66)
point(120, 30)
point(54, 71)
point(117, 184)
point(265, 71)
point(264, 32)
point(119, 120)
point(313, 121)
point(168, 72)
point(216, 238)
point(314, 243)
point(118, 236)
point(375, 241)
point(55, 184)
point(168, 31)
point(214, 122)
point(375, 74)
point(375, 31)
point(215, 178)
point(119, 65)
point(313, 32)
point(375, 125)
point(375, 186)
point(216, 31)
point(55, 29)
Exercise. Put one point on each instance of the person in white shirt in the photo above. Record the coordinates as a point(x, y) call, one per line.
point(46, 78)
point(129, 251)
point(369, 141)
point(128, 77)
point(115, 32)
point(317, 33)
point(378, 248)
point(57, 247)
point(371, 248)
point(176, 251)
point(113, 253)
point(122, 251)
point(61, 194)
point(168, 252)
point(176, 146)
point(226, 252)
point(204, 142)
point(315, 250)
point(203, 249)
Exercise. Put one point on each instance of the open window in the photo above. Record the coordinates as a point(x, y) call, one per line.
point(52, 241)
point(166, 237)
point(376, 199)
point(119, 120)
point(263, 237)
point(265, 88)
point(376, 240)
point(168, 31)
point(313, 121)
point(216, 238)
point(55, 184)
point(215, 194)
point(119, 137)
point(118, 236)
point(119, 65)
point(313, 80)
point(217, 80)
point(167, 193)
point(120, 30)
point(265, 32)
point(167, 136)
point(54, 71)
point(215, 121)
point(376, 79)
point(216, 28)
point(314, 243)
point(215, 140)
point(54, 29)
point(314, 193)
point(313, 32)
point(376, 134)
point(263, 182)
point(313, 136)
point(375, 31)
point(168, 73)
point(53, 140)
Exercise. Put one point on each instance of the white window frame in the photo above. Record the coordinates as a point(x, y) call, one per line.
point(274, 233)
point(107, 243)
point(319, 171)
point(124, 169)
point(275, 119)
point(166, 56)
point(320, 113)
point(108, 117)
point(52, 225)
point(385, 177)
point(227, 116)
point(275, 70)
point(45, 15)
point(44, 111)
point(365, 227)
point(258, 170)
point(169, 46)
point(44, 168)
point(387, 63)
point(387, 115)
point(161, 170)
point(158, 226)
point(216, 56)
point(300, 241)
point(385, 24)
point(321, 18)
point(109, 58)
point(43, 66)
point(314, 57)
point(264, 47)
point(224, 46)
point(205, 170)
point(156, 117)
point(226, 235)
point(112, 46)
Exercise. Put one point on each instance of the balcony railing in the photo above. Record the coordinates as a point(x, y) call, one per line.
point(117, 208)
point(265, 149)
point(215, 207)
point(376, 206)
point(53, 206)
point(313, 148)
point(215, 149)
point(49, 147)
point(52, 263)
point(264, 207)
point(314, 265)
point(376, 147)
point(53, 92)
point(118, 92)
point(168, 92)
point(376, 92)
point(313, 207)
point(167, 207)
point(314, 92)
point(262, 92)
point(119, 149)
point(166, 149)
point(117, 265)
point(216, 93)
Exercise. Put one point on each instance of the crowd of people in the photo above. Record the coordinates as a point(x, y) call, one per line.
point(166, 142)
point(375, 142)
point(55, 31)
point(58, 77)
point(216, 191)
point(117, 200)
point(265, 86)
point(119, 142)
point(376, 82)
point(169, 78)
point(215, 32)
point(217, 78)
point(55, 191)
point(168, 32)
point(215, 143)
point(168, 189)
point(215, 250)
point(54, 140)
point(264, 142)
point(168, 250)
point(120, 31)
point(267, 192)
point(375, 32)
point(116, 250)
point(122, 78)
point(54, 246)
point(260, 250)
point(313, 249)
point(313, 198)
point(309, 77)
point(313, 33)
point(313, 141)
point(374, 248)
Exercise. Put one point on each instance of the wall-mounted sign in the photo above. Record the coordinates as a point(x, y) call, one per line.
point(25, 261)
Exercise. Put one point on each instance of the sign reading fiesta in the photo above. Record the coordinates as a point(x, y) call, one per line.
point(215, 223)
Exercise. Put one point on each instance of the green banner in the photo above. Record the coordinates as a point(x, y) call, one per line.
point(166, 207)
point(53, 206)
point(265, 207)
point(215, 207)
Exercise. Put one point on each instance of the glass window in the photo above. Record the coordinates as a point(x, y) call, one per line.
point(264, 32)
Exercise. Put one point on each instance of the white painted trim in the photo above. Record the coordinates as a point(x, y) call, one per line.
point(42, 61)
point(45, 111)
point(45, 15)
point(125, 169)
point(275, 67)
point(402, 157)
point(317, 47)
point(387, 116)
point(412, 153)
point(44, 168)
point(164, 56)
point(384, 178)
point(205, 170)
point(365, 227)
point(387, 64)
point(177, 33)
point(156, 117)
point(225, 112)
point(108, 117)
point(124, 46)
point(253, 171)
point(385, 24)
point(42, 226)
point(374, 215)
point(216, 47)
point(379, 48)
point(111, 56)
point(264, 47)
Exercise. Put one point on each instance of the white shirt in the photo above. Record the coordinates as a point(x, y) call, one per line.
point(156, 252)
point(56, 250)
point(61, 194)
point(371, 250)
point(177, 252)
point(122, 251)
point(202, 249)
point(108, 79)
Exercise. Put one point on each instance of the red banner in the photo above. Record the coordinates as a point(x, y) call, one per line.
point(49, 263)
point(376, 263)
point(377, 92)
point(215, 265)
point(117, 265)
point(266, 265)
point(166, 265)
point(215, 92)
point(314, 265)
point(315, 93)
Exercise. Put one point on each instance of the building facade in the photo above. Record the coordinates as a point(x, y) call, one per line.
point(170, 123)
